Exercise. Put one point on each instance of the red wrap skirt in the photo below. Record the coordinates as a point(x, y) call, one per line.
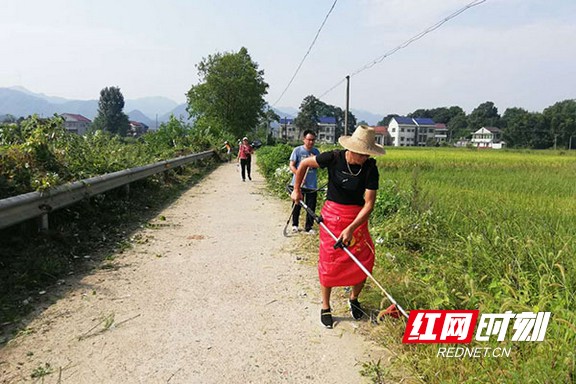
point(335, 267)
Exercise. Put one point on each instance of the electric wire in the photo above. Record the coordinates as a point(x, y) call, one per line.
point(407, 43)
point(307, 53)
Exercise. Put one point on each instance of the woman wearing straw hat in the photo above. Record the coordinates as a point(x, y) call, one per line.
point(352, 185)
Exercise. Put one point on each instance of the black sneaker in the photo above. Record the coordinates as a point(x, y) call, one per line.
point(326, 318)
point(355, 309)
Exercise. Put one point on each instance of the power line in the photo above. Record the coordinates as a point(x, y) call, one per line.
point(307, 52)
point(407, 43)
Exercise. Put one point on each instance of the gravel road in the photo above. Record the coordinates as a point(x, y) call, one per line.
point(213, 293)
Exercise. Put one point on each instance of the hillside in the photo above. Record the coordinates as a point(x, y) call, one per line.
point(18, 101)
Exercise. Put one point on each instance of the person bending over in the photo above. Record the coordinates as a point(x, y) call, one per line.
point(352, 186)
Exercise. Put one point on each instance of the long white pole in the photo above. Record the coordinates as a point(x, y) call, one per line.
point(351, 255)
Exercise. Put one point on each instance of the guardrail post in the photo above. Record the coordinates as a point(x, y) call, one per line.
point(44, 224)
point(127, 190)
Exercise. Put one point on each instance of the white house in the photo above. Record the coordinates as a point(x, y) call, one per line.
point(287, 130)
point(487, 137)
point(327, 130)
point(408, 131)
point(441, 133)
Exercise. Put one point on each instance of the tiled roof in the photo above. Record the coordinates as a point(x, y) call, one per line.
point(403, 120)
point(327, 120)
point(75, 117)
point(381, 130)
point(424, 121)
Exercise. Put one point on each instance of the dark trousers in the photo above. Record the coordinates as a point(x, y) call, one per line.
point(310, 200)
point(245, 164)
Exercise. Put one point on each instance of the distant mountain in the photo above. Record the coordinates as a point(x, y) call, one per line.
point(151, 106)
point(369, 117)
point(137, 115)
point(179, 112)
point(286, 112)
point(50, 99)
point(19, 101)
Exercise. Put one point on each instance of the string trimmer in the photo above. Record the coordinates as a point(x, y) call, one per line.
point(393, 309)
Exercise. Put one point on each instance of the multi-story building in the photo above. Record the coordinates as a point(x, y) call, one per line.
point(287, 130)
point(441, 133)
point(408, 131)
point(326, 130)
point(487, 137)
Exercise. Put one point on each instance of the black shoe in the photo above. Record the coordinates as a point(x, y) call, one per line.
point(326, 318)
point(249, 178)
point(355, 309)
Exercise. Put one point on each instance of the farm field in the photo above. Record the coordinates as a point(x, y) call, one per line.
point(488, 230)
point(458, 228)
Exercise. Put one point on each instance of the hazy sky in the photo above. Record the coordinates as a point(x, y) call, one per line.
point(516, 53)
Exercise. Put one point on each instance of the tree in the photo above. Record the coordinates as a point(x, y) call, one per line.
point(422, 113)
point(308, 115)
point(485, 115)
point(458, 127)
point(312, 109)
point(267, 117)
point(230, 94)
point(560, 121)
point(386, 120)
point(110, 116)
point(518, 129)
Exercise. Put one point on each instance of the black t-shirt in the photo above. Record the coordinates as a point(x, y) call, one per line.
point(347, 186)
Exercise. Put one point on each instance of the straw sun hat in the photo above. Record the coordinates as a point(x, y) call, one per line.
point(362, 141)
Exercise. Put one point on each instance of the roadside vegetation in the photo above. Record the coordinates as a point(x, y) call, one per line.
point(39, 154)
point(468, 229)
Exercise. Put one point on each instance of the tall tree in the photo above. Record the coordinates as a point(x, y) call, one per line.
point(312, 109)
point(110, 116)
point(560, 119)
point(485, 115)
point(230, 94)
point(458, 127)
point(308, 115)
point(267, 117)
point(517, 128)
point(386, 119)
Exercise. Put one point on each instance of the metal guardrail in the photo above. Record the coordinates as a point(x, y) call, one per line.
point(14, 210)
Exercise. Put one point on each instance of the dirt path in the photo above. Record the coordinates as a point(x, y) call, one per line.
point(212, 294)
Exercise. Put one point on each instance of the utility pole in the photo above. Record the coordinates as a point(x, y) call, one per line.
point(347, 105)
point(555, 139)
